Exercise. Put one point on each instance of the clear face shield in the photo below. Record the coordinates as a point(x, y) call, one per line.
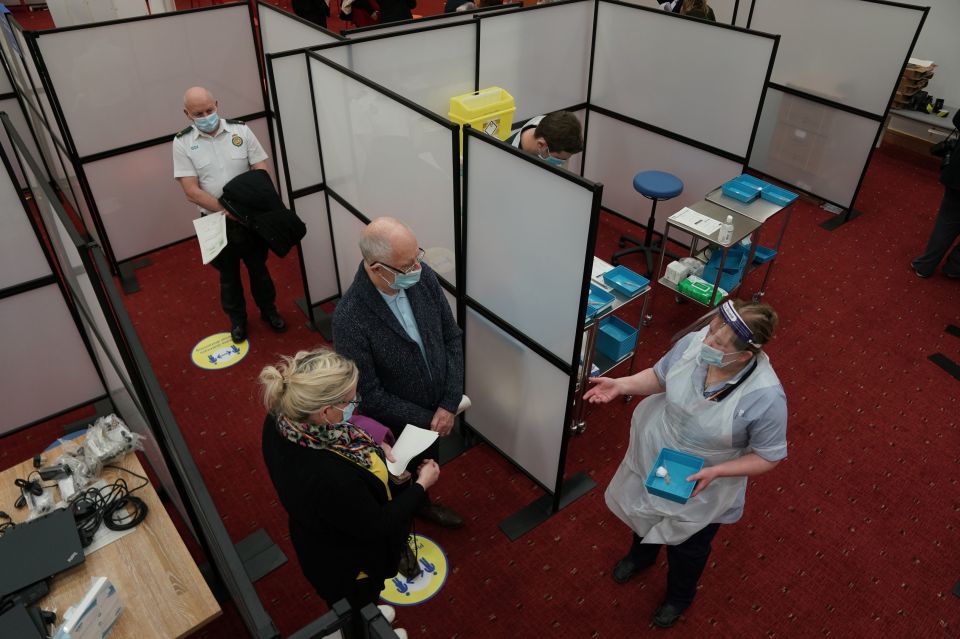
point(724, 314)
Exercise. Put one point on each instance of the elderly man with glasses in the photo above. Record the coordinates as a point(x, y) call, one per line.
point(396, 324)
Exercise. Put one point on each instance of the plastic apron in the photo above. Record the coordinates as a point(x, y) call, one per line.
point(682, 419)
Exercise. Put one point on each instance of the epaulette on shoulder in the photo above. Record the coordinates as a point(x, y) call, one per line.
point(235, 121)
point(184, 131)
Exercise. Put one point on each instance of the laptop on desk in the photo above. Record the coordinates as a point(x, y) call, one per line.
point(38, 549)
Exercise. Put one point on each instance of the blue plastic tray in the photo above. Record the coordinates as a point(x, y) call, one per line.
point(763, 254)
point(776, 195)
point(740, 193)
point(679, 466)
point(747, 180)
point(624, 280)
point(598, 300)
point(615, 338)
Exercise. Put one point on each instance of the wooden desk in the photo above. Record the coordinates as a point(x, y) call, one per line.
point(160, 587)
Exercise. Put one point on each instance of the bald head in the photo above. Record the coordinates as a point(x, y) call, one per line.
point(195, 95)
point(198, 102)
point(387, 240)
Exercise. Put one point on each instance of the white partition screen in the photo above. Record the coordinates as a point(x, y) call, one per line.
point(427, 67)
point(526, 238)
point(21, 258)
point(386, 158)
point(281, 31)
point(347, 229)
point(299, 139)
point(142, 207)
point(617, 151)
point(520, 52)
point(46, 369)
point(708, 90)
point(850, 52)
point(317, 247)
point(141, 68)
point(812, 146)
point(502, 377)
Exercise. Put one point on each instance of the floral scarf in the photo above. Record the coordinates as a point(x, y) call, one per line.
point(344, 439)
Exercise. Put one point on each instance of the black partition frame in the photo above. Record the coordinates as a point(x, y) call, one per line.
point(561, 492)
point(145, 390)
point(848, 209)
point(590, 107)
point(125, 267)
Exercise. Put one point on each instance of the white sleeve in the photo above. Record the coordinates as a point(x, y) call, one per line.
point(182, 164)
point(255, 152)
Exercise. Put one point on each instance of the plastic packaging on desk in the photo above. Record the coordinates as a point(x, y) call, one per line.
point(107, 439)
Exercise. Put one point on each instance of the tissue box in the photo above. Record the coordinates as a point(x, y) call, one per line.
point(676, 272)
point(679, 466)
point(700, 290)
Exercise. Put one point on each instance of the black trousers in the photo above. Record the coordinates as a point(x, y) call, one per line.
point(685, 563)
point(243, 245)
point(946, 230)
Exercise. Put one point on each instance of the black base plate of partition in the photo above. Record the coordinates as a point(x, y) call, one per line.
point(128, 279)
point(839, 220)
point(946, 364)
point(323, 323)
point(259, 554)
point(529, 517)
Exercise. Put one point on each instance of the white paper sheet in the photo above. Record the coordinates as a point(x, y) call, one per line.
point(412, 442)
point(212, 235)
point(696, 221)
point(465, 403)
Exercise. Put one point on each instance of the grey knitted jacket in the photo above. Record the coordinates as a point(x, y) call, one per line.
point(395, 385)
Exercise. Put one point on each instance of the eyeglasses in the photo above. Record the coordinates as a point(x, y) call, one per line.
point(355, 401)
point(413, 267)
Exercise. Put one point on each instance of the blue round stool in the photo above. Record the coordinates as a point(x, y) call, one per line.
point(656, 186)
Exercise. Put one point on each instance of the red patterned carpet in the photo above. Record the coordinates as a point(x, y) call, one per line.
point(853, 536)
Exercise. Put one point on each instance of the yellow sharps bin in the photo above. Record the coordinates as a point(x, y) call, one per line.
point(488, 110)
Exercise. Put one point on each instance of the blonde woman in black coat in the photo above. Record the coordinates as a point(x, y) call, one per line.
point(348, 529)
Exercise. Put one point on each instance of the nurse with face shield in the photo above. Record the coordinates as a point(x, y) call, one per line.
point(713, 395)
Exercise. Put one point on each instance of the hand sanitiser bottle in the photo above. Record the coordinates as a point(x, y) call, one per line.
point(726, 231)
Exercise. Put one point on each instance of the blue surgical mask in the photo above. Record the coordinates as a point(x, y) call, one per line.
point(208, 123)
point(348, 411)
point(405, 280)
point(713, 356)
point(557, 162)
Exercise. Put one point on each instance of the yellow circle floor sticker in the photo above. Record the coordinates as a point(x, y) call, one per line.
point(432, 562)
point(218, 351)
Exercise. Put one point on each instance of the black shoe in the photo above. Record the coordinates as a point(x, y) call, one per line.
point(625, 570)
point(918, 273)
point(238, 332)
point(440, 515)
point(277, 324)
point(409, 567)
point(666, 615)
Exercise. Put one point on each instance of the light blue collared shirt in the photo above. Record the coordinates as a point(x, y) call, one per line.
point(399, 305)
